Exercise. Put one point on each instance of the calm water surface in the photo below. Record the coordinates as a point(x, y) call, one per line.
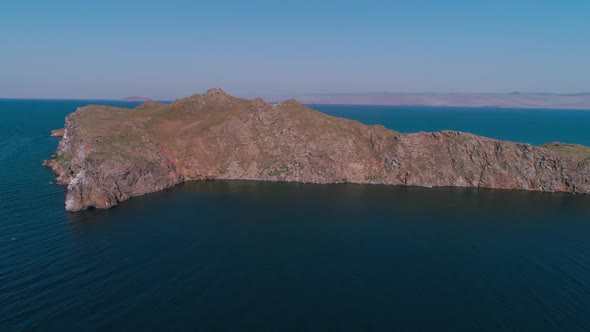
point(234, 255)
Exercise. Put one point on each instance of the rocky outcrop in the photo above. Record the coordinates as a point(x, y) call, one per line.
point(110, 154)
point(57, 132)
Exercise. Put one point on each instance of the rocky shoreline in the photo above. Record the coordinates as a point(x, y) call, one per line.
point(107, 154)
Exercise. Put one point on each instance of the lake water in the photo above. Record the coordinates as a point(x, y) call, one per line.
point(251, 256)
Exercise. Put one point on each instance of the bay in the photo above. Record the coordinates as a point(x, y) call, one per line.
point(239, 255)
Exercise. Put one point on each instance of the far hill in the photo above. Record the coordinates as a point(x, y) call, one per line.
point(507, 100)
point(135, 98)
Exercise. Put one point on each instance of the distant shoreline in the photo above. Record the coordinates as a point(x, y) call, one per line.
point(572, 101)
point(135, 98)
point(564, 108)
point(579, 101)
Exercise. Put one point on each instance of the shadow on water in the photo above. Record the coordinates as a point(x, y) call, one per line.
point(442, 202)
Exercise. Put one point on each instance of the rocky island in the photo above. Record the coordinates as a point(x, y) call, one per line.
point(109, 154)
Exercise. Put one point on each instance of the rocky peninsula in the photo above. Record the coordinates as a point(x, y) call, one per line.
point(110, 154)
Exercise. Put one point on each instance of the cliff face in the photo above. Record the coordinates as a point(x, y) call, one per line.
point(109, 154)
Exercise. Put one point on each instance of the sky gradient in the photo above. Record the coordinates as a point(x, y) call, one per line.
point(165, 50)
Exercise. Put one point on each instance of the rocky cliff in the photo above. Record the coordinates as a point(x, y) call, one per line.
point(109, 154)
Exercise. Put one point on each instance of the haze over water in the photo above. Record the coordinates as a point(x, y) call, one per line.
point(235, 255)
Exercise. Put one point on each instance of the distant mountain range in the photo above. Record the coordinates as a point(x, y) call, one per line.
point(135, 98)
point(505, 100)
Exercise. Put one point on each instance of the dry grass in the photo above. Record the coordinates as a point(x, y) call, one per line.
point(573, 151)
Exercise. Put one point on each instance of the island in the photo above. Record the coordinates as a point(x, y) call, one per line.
point(110, 154)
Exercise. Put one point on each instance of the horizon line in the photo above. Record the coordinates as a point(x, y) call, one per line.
point(252, 95)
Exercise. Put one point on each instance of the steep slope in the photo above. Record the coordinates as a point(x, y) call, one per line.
point(110, 154)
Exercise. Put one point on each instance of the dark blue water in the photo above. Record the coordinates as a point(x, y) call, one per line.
point(235, 256)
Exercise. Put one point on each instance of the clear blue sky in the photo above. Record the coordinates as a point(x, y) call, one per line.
point(168, 49)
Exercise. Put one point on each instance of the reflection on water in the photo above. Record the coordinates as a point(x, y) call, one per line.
point(347, 197)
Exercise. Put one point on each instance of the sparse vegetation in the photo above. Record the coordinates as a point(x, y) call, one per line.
point(194, 177)
point(573, 151)
point(280, 170)
point(62, 157)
